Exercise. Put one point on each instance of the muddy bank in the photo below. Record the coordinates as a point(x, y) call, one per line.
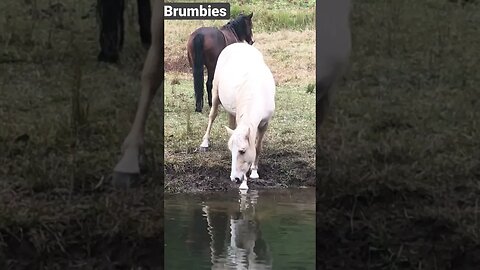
point(210, 171)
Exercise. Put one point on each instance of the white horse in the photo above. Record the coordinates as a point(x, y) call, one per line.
point(245, 87)
point(333, 49)
point(128, 167)
point(242, 249)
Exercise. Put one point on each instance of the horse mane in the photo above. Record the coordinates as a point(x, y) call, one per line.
point(238, 26)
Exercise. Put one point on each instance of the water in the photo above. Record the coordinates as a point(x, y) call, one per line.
point(266, 229)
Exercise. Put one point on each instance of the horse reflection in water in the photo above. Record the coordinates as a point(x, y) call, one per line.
point(235, 236)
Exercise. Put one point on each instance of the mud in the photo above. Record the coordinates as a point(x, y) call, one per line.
point(196, 172)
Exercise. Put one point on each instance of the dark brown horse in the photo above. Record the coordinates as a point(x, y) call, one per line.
point(110, 13)
point(204, 46)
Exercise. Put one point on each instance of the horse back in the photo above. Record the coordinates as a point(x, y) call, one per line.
point(213, 38)
point(242, 74)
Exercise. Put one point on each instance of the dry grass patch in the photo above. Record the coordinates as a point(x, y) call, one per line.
point(289, 54)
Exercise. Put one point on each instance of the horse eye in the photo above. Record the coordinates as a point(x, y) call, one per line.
point(241, 152)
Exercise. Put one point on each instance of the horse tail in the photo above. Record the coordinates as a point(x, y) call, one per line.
point(198, 71)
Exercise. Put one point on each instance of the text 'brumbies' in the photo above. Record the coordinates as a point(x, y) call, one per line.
point(196, 11)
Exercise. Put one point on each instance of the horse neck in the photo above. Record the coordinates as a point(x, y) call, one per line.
point(228, 29)
point(249, 105)
point(245, 120)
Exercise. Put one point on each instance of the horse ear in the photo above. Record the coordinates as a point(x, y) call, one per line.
point(229, 130)
point(247, 135)
point(250, 16)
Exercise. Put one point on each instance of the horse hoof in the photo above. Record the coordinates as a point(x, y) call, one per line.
point(123, 181)
point(254, 174)
point(108, 57)
point(243, 186)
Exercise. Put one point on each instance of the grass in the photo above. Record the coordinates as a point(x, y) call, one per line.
point(398, 166)
point(269, 15)
point(63, 118)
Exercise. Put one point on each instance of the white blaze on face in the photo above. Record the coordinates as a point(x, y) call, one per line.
point(234, 173)
point(234, 162)
point(237, 143)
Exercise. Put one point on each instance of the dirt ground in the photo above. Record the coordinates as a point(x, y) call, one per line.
point(209, 175)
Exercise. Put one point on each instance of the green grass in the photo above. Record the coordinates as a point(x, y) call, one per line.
point(295, 113)
point(272, 15)
point(398, 166)
point(274, 18)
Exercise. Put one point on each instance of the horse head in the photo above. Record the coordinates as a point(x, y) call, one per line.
point(243, 152)
point(242, 25)
point(248, 29)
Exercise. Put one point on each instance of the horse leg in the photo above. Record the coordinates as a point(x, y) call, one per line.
point(260, 134)
point(144, 17)
point(121, 27)
point(211, 71)
point(111, 29)
point(232, 121)
point(211, 118)
point(198, 64)
point(152, 78)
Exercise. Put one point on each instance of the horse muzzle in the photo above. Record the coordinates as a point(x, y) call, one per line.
point(237, 178)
